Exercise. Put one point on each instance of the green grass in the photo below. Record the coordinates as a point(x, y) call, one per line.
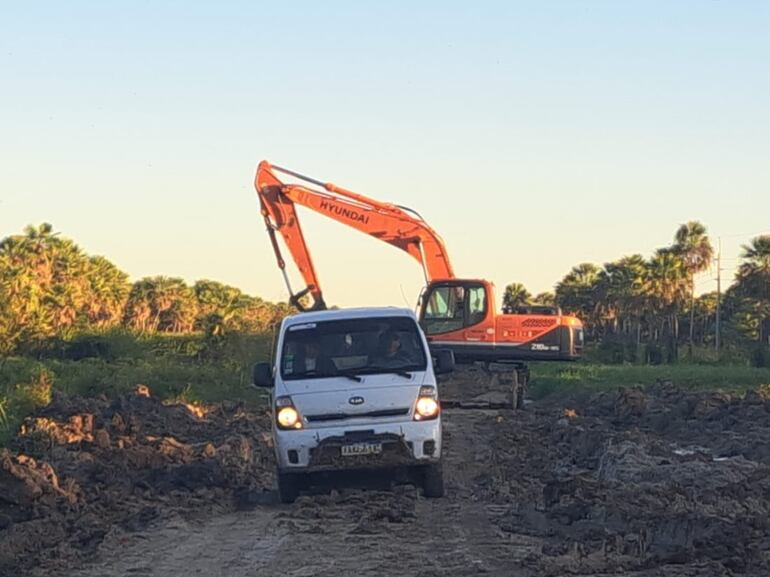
point(186, 369)
point(192, 369)
point(553, 378)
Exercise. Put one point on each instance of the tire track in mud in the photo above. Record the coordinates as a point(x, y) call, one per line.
point(347, 532)
point(640, 482)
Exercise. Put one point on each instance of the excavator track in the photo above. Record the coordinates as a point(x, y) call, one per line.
point(485, 386)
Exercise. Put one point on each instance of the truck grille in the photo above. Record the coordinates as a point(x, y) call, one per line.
point(344, 416)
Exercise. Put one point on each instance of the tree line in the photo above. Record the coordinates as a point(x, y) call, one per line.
point(50, 288)
point(650, 303)
point(644, 307)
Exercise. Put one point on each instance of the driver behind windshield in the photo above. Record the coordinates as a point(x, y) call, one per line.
point(391, 353)
point(361, 347)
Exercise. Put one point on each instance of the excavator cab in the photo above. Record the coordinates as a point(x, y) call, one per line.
point(453, 305)
point(458, 314)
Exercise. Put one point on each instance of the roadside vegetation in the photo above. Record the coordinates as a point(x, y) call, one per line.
point(189, 368)
point(74, 323)
point(574, 378)
point(645, 311)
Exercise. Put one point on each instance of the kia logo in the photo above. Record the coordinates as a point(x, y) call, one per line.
point(356, 400)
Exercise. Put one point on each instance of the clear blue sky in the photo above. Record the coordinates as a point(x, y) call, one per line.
point(532, 136)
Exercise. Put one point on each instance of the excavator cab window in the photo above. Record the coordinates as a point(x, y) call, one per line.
point(451, 308)
point(444, 309)
point(477, 305)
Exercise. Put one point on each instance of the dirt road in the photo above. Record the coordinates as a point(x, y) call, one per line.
point(352, 532)
point(655, 482)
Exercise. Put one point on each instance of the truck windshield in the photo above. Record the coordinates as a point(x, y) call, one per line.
point(352, 347)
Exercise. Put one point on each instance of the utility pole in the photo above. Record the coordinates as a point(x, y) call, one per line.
point(719, 295)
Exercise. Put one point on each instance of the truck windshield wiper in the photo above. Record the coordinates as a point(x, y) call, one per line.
point(405, 374)
point(313, 373)
point(390, 371)
point(351, 376)
point(357, 375)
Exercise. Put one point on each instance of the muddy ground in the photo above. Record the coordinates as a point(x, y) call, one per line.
point(633, 482)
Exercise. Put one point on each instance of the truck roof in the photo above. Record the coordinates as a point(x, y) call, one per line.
point(351, 313)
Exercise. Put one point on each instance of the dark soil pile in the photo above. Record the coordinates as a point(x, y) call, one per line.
point(641, 481)
point(81, 467)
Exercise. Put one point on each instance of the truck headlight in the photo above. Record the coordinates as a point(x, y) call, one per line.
point(286, 416)
point(427, 406)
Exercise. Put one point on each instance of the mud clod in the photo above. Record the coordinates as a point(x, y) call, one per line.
point(645, 482)
point(91, 464)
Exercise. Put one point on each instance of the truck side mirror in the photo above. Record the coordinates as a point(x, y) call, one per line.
point(262, 376)
point(445, 361)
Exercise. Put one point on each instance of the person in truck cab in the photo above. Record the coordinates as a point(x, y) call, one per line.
point(391, 351)
point(311, 356)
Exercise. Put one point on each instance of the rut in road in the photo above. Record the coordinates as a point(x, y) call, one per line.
point(350, 532)
point(643, 482)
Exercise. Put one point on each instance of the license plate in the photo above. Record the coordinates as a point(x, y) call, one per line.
point(357, 449)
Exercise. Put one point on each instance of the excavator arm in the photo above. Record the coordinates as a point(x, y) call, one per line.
point(396, 225)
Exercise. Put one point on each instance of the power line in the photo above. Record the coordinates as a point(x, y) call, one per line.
point(719, 297)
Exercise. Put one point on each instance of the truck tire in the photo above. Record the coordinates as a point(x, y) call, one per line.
point(433, 481)
point(288, 486)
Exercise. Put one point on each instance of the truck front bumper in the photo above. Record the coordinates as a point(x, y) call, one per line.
point(403, 444)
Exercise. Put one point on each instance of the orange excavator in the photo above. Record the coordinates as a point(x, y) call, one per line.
point(456, 314)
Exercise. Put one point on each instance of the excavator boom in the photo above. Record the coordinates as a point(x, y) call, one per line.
point(455, 314)
point(396, 225)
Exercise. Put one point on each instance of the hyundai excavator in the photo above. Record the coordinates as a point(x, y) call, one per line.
point(455, 313)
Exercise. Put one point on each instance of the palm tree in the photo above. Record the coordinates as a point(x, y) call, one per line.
point(620, 293)
point(256, 315)
point(545, 298)
point(576, 292)
point(43, 285)
point(218, 306)
point(705, 309)
point(753, 282)
point(515, 295)
point(161, 304)
point(109, 288)
point(50, 287)
point(692, 245)
point(666, 288)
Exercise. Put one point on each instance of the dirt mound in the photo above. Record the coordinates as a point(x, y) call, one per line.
point(643, 480)
point(723, 424)
point(80, 467)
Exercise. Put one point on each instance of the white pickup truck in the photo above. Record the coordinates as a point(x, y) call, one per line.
point(354, 389)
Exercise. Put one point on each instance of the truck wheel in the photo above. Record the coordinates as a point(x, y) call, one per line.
point(433, 481)
point(288, 486)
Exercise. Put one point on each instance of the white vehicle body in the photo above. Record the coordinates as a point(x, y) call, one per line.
point(368, 417)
